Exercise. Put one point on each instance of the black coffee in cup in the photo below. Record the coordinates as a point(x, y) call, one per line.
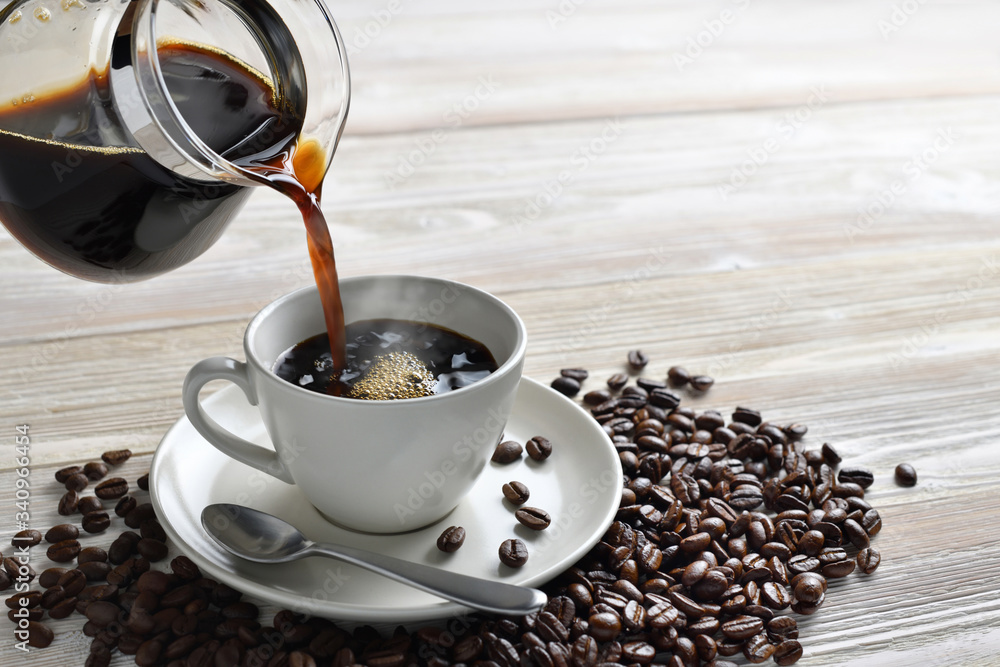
point(388, 360)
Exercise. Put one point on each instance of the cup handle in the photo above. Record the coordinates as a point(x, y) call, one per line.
point(244, 451)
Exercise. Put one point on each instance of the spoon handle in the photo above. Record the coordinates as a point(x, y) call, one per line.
point(482, 594)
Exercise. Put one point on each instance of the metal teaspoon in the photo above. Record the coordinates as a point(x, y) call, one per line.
point(263, 538)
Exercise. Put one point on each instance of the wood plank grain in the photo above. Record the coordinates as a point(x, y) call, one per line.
point(652, 197)
point(622, 58)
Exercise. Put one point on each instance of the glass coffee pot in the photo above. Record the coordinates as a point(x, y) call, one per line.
point(131, 131)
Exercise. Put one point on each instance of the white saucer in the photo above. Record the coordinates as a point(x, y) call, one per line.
point(579, 486)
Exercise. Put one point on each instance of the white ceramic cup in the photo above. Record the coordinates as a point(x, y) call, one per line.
point(373, 466)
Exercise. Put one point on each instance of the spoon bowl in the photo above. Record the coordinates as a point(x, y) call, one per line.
point(254, 535)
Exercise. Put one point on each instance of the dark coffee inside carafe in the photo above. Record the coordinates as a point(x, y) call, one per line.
point(77, 191)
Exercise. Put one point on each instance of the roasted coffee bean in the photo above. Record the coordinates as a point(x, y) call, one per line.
point(747, 416)
point(809, 587)
point(516, 493)
point(16, 570)
point(855, 533)
point(578, 374)
point(123, 547)
point(116, 457)
point(51, 597)
point(863, 477)
point(141, 513)
point(96, 522)
point(143, 482)
point(513, 553)
point(26, 538)
point(64, 531)
point(125, 505)
point(95, 570)
point(76, 482)
point(533, 518)
point(451, 539)
point(742, 627)
point(539, 448)
point(63, 609)
point(152, 529)
point(664, 398)
point(95, 470)
point(787, 652)
point(869, 559)
point(604, 626)
point(758, 649)
point(90, 504)
point(906, 475)
point(28, 600)
point(678, 376)
point(39, 634)
point(701, 382)
point(872, 522)
point(50, 577)
point(102, 614)
point(64, 474)
point(637, 360)
point(811, 542)
point(566, 386)
point(152, 550)
point(774, 595)
point(73, 582)
point(64, 551)
point(596, 397)
point(185, 568)
point(617, 381)
point(116, 487)
point(507, 452)
point(781, 628)
point(68, 503)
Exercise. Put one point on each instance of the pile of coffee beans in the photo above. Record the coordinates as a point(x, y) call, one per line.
point(725, 531)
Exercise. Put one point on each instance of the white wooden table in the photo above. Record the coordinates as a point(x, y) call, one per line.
point(800, 199)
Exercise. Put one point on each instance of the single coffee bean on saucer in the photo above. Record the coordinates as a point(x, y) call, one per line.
point(566, 386)
point(539, 448)
point(533, 518)
point(513, 553)
point(906, 475)
point(516, 492)
point(451, 539)
point(507, 451)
